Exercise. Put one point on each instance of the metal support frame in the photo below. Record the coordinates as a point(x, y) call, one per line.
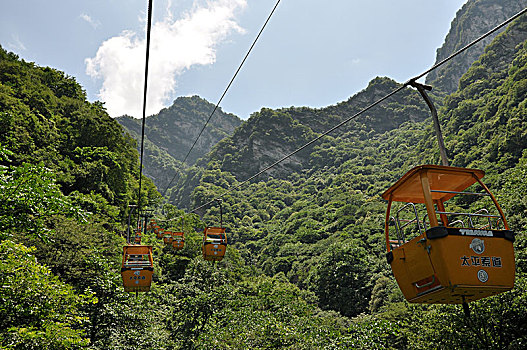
point(416, 220)
point(147, 214)
point(132, 208)
point(421, 88)
point(221, 213)
point(397, 231)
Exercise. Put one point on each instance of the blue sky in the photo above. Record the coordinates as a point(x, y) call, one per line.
point(312, 53)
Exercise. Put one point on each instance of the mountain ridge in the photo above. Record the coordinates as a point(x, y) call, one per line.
point(170, 134)
point(471, 21)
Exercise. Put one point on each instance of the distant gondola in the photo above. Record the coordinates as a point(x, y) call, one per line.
point(178, 240)
point(167, 237)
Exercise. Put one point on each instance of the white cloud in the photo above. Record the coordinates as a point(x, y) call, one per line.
point(175, 46)
point(90, 20)
point(16, 44)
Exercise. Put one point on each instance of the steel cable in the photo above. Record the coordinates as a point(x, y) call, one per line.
point(225, 92)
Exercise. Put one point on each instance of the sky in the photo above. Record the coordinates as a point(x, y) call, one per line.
point(312, 53)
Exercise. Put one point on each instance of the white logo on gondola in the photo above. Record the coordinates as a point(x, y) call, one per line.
point(477, 245)
point(475, 232)
point(483, 276)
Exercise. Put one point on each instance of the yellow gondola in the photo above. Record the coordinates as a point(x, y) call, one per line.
point(151, 225)
point(167, 237)
point(214, 243)
point(159, 232)
point(447, 257)
point(178, 241)
point(137, 268)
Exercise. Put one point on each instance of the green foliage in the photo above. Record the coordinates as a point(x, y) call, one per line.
point(37, 309)
point(262, 313)
point(498, 322)
point(368, 332)
point(29, 199)
point(340, 279)
point(46, 119)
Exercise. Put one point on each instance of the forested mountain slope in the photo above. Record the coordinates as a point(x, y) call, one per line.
point(175, 128)
point(172, 131)
point(46, 118)
point(485, 119)
point(269, 135)
point(327, 219)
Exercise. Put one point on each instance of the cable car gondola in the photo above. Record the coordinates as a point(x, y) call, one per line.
point(167, 237)
point(214, 243)
point(178, 241)
point(159, 231)
point(151, 225)
point(446, 257)
point(214, 240)
point(137, 268)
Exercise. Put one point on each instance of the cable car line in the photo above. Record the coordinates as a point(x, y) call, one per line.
point(148, 30)
point(302, 147)
point(137, 266)
point(225, 91)
point(406, 84)
point(498, 27)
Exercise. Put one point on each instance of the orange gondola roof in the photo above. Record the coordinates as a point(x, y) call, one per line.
point(215, 230)
point(443, 178)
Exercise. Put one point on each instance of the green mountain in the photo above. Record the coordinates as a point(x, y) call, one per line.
point(320, 215)
point(269, 135)
point(171, 133)
point(305, 266)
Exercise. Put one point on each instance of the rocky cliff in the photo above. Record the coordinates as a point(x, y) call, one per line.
point(474, 19)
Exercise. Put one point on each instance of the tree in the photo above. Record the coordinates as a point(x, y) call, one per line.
point(30, 197)
point(340, 279)
point(37, 310)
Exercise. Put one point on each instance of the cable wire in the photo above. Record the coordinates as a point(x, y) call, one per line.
point(365, 109)
point(225, 91)
point(303, 147)
point(498, 27)
point(148, 30)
